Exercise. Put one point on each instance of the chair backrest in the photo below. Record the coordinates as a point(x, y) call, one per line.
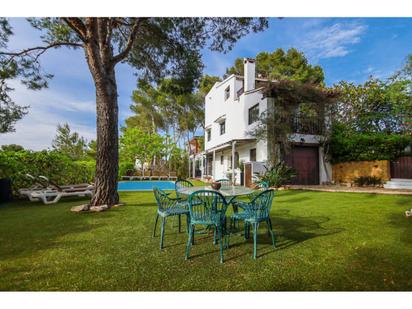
point(226, 183)
point(261, 205)
point(204, 205)
point(182, 184)
point(162, 199)
point(262, 185)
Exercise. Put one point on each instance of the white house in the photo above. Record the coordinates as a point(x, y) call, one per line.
point(232, 108)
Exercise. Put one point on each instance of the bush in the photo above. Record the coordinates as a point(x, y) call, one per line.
point(277, 175)
point(56, 166)
point(367, 181)
point(125, 168)
point(346, 145)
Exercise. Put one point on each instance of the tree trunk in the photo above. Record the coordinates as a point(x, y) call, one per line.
point(107, 156)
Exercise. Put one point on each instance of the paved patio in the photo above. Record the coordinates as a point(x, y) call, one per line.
point(335, 188)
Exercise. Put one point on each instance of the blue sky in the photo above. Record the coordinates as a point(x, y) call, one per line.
point(349, 49)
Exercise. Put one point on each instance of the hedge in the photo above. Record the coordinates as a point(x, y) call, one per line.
point(347, 146)
point(56, 166)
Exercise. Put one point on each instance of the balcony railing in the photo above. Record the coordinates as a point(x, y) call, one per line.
point(305, 125)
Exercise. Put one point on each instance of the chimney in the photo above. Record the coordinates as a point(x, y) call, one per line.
point(249, 74)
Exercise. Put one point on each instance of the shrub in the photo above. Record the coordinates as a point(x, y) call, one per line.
point(277, 175)
point(54, 165)
point(346, 145)
point(367, 181)
point(125, 168)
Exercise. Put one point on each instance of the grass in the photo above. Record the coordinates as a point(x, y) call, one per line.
point(326, 241)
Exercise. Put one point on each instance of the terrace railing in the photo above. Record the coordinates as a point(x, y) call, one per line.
point(306, 125)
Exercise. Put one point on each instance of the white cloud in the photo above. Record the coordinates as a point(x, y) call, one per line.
point(332, 41)
point(47, 109)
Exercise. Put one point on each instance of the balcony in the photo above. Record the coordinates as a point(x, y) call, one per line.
point(305, 125)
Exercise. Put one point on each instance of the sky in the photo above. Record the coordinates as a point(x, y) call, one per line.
point(351, 49)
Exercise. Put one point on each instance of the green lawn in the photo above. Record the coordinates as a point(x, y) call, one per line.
point(326, 241)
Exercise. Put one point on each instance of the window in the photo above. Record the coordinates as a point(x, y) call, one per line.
point(208, 134)
point(223, 127)
point(221, 160)
point(253, 113)
point(227, 93)
point(252, 154)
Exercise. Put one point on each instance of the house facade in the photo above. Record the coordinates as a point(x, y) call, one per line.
point(232, 109)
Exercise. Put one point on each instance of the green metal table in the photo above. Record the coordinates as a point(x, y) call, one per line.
point(228, 192)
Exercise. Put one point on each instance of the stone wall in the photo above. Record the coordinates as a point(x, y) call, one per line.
point(346, 172)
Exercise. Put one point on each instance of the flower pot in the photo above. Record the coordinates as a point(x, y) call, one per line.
point(216, 185)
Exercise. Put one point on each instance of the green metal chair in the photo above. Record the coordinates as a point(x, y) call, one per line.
point(255, 212)
point(261, 186)
point(182, 184)
point(168, 207)
point(240, 202)
point(226, 183)
point(207, 208)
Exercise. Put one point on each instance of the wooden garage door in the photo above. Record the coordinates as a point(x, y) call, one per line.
point(305, 160)
point(402, 168)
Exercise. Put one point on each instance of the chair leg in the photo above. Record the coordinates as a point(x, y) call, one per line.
point(189, 243)
point(247, 230)
point(220, 232)
point(214, 237)
point(180, 223)
point(187, 223)
point(162, 232)
point(227, 235)
point(255, 230)
point(155, 225)
point(193, 234)
point(272, 234)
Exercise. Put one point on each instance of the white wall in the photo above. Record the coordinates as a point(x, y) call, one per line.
point(235, 109)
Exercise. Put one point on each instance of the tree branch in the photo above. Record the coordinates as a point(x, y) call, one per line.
point(78, 26)
point(39, 48)
point(123, 54)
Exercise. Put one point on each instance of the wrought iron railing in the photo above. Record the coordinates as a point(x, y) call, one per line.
point(306, 125)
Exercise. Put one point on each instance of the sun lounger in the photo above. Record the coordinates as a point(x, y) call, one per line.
point(37, 185)
point(53, 196)
point(58, 187)
point(172, 176)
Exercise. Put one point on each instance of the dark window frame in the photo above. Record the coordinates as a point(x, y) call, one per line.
point(227, 92)
point(222, 125)
point(253, 114)
point(209, 134)
point(252, 150)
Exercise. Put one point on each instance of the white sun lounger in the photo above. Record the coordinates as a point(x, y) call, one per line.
point(38, 185)
point(64, 187)
point(53, 196)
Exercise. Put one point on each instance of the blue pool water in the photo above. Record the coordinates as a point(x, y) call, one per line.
point(144, 185)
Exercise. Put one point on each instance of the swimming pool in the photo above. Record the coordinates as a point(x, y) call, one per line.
point(144, 185)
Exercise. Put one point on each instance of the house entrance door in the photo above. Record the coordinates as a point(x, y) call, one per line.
point(305, 160)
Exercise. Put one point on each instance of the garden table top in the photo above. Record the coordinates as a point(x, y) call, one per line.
point(230, 191)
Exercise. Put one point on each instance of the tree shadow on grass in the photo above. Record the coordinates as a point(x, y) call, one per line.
point(290, 230)
point(404, 224)
point(376, 269)
point(40, 229)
